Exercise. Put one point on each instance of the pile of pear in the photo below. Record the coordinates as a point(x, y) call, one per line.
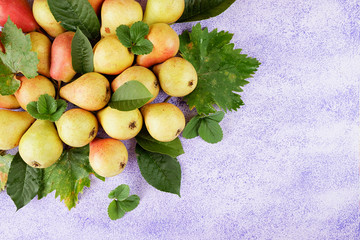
point(41, 142)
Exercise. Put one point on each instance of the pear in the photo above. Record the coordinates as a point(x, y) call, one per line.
point(96, 4)
point(164, 121)
point(46, 19)
point(77, 127)
point(141, 74)
point(40, 146)
point(91, 91)
point(119, 12)
point(111, 57)
point(121, 125)
point(41, 44)
point(163, 11)
point(177, 77)
point(12, 127)
point(108, 157)
point(166, 45)
point(31, 89)
point(9, 102)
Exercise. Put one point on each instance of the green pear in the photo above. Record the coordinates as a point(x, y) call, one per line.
point(163, 11)
point(91, 91)
point(164, 121)
point(77, 127)
point(40, 146)
point(121, 125)
point(12, 127)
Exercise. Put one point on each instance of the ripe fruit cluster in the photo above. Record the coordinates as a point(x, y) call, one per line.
point(41, 143)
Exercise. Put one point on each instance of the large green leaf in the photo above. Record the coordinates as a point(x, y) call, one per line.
point(82, 53)
point(196, 10)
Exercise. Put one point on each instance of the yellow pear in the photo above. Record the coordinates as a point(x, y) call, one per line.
point(12, 127)
point(119, 12)
point(31, 89)
point(77, 127)
point(111, 57)
point(40, 146)
point(108, 157)
point(164, 121)
point(121, 125)
point(163, 11)
point(177, 77)
point(9, 102)
point(46, 19)
point(91, 91)
point(41, 44)
point(141, 74)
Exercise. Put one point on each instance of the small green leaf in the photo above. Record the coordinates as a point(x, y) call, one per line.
point(61, 107)
point(82, 53)
point(192, 128)
point(218, 116)
point(23, 182)
point(173, 148)
point(159, 170)
point(210, 131)
point(5, 162)
point(138, 31)
point(129, 96)
point(123, 34)
point(115, 211)
point(142, 47)
point(47, 108)
point(130, 203)
point(46, 104)
point(120, 193)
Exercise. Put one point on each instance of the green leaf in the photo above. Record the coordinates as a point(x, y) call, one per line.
point(138, 31)
point(130, 203)
point(196, 10)
point(192, 128)
point(8, 83)
point(46, 104)
point(218, 116)
point(173, 148)
point(23, 182)
point(159, 170)
point(115, 211)
point(129, 96)
point(47, 108)
point(61, 107)
point(68, 176)
point(221, 69)
point(123, 34)
point(142, 47)
point(5, 162)
point(82, 53)
point(210, 131)
point(72, 14)
point(120, 193)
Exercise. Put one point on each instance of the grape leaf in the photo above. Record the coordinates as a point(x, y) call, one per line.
point(8, 83)
point(221, 69)
point(5, 162)
point(82, 53)
point(47, 108)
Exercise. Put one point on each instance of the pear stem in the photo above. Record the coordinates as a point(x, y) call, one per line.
point(2, 152)
point(58, 90)
point(167, 99)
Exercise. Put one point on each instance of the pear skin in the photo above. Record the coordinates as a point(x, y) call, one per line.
point(164, 121)
point(40, 146)
point(77, 127)
point(91, 91)
point(61, 68)
point(31, 89)
point(111, 57)
point(96, 4)
point(166, 45)
point(2, 49)
point(119, 12)
point(141, 74)
point(177, 77)
point(120, 125)
point(41, 44)
point(163, 11)
point(108, 157)
point(9, 102)
point(46, 19)
point(12, 127)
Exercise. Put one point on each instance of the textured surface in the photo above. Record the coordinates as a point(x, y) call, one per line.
point(288, 165)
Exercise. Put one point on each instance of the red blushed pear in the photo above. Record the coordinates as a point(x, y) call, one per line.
point(96, 4)
point(166, 45)
point(20, 13)
point(61, 68)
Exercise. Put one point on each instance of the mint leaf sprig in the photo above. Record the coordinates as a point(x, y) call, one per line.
point(134, 38)
point(122, 203)
point(47, 108)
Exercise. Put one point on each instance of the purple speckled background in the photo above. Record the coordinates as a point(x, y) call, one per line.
point(289, 162)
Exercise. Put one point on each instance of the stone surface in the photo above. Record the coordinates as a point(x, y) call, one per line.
point(288, 167)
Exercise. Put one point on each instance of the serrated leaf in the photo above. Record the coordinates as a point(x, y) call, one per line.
point(210, 131)
point(221, 69)
point(23, 182)
point(82, 53)
point(129, 96)
point(115, 211)
point(46, 104)
point(8, 83)
point(142, 47)
point(47, 108)
point(159, 170)
point(196, 10)
point(173, 148)
point(120, 193)
point(123, 34)
point(218, 116)
point(138, 31)
point(130, 203)
point(191, 129)
point(5, 162)
point(68, 176)
point(72, 14)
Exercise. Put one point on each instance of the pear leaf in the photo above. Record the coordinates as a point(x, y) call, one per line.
point(82, 53)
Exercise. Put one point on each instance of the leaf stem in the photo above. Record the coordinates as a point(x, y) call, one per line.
point(167, 99)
